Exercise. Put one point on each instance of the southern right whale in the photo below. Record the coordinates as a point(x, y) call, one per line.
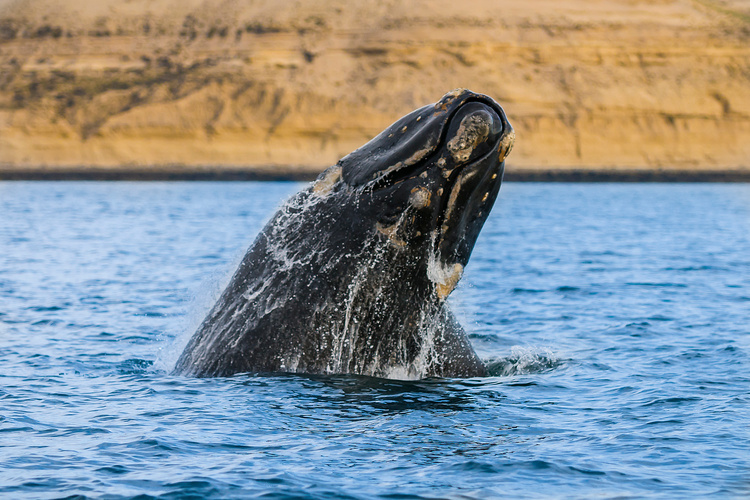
point(352, 273)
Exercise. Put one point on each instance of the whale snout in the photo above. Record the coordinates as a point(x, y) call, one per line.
point(473, 132)
point(461, 128)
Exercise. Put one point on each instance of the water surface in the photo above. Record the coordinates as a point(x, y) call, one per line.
point(614, 316)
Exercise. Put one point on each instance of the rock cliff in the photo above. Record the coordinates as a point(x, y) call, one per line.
point(282, 84)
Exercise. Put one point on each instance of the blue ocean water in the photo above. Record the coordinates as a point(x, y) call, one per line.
point(615, 318)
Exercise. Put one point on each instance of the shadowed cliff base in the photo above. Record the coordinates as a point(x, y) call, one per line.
point(192, 173)
point(626, 84)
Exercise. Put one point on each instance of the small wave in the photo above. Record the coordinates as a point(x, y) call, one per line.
point(526, 290)
point(475, 466)
point(675, 401)
point(696, 268)
point(114, 469)
point(656, 284)
point(524, 360)
point(46, 308)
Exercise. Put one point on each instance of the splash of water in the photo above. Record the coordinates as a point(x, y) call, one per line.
point(524, 360)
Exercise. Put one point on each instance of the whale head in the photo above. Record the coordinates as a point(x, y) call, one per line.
point(430, 179)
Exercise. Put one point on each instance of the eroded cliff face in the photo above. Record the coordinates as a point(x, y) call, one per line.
point(281, 84)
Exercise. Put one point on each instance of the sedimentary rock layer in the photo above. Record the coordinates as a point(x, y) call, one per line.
point(294, 86)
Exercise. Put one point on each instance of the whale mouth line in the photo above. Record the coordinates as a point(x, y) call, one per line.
point(395, 176)
point(450, 185)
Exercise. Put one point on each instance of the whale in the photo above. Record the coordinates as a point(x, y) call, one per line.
point(352, 273)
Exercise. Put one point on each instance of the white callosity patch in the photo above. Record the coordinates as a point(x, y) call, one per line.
point(448, 98)
point(413, 159)
point(445, 277)
point(420, 198)
point(419, 155)
point(472, 131)
point(391, 232)
point(325, 183)
point(506, 145)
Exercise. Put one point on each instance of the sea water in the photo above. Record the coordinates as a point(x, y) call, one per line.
point(615, 319)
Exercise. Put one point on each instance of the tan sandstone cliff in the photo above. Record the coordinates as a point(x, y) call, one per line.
point(283, 84)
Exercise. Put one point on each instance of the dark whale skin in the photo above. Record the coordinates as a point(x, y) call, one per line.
point(351, 274)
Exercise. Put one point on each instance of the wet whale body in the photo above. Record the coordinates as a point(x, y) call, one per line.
point(352, 273)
